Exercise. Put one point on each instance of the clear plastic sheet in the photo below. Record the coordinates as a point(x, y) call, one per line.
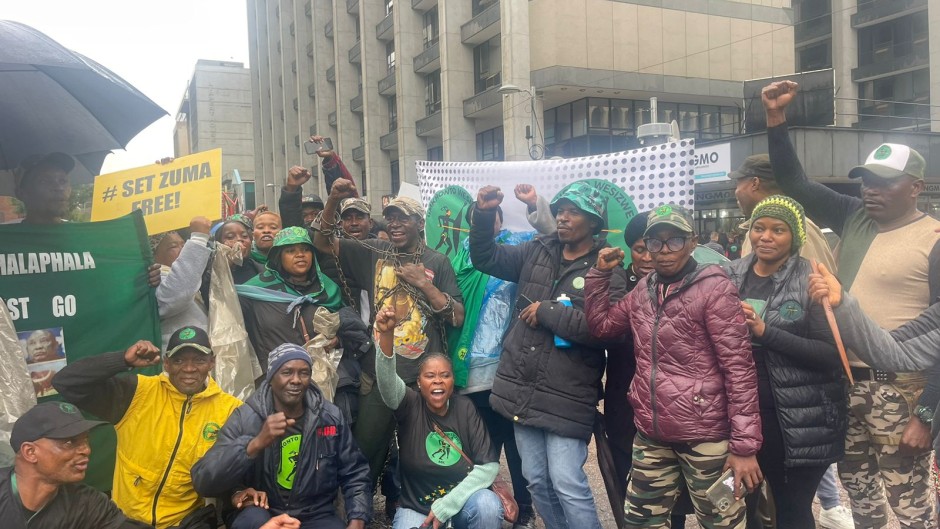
point(236, 366)
point(325, 358)
point(16, 388)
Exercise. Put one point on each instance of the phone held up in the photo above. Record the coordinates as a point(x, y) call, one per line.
point(313, 148)
point(721, 494)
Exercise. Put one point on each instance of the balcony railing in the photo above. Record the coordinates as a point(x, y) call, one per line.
point(389, 142)
point(383, 30)
point(872, 11)
point(359, 153)
point(423, 5)
point(355, 104)
point(308, 8)
point(352, 7)
point(309, 49)
point(387, 84)
point(312, 90)
point(332, 119)
point(331, 74)
point(481, 27)
point(889, 60)
point(355, 53)
point(429, 126)
point(428, 60)
point(328, 29)
point(481, 102)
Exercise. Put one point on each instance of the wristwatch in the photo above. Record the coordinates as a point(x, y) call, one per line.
point(924, 413)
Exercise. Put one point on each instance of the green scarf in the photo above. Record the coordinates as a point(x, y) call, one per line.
point(270, 286)
point(257, 256)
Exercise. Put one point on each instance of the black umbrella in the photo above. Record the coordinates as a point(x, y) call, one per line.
point(54, 99)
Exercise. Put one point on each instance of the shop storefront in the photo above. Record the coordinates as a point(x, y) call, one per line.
point(716, 209)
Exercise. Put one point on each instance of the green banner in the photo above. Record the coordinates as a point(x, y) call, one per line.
point(76, 290)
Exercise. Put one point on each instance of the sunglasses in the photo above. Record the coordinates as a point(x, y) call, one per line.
point(673, 243)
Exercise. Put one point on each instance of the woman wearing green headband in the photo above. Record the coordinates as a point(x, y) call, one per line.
point(800, 387)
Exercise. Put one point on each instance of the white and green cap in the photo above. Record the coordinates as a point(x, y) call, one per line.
point(891, 160)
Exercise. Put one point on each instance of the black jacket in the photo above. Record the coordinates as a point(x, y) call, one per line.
point(75, 506)
point(803, 364)
point(334, 460)
point(538, 384)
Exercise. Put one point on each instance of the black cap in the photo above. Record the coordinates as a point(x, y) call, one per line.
point(58, 160)
point(189, 337)
point(757, 165)
point(50, 420)
point(311, 200)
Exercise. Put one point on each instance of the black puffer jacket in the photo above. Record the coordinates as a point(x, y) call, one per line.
point(803, 365)
point(329, 458)
point(538, 384)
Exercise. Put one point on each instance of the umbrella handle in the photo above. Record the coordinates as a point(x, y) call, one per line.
point(834, 327)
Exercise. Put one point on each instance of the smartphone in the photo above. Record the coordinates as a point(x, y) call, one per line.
point(721, 494)
point(313, 148)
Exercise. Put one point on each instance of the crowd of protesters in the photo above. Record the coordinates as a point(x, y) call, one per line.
point(725, 392)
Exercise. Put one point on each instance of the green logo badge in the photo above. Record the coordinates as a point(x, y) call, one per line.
point(791, 310)
point(662, 211)
point(210, 431)
point(187, 333)
point(68, 408)
point(578, 283)
point(883, 152)
point(440, 451)
point(290, 452)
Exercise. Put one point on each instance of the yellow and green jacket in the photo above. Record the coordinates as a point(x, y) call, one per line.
point(161, 433)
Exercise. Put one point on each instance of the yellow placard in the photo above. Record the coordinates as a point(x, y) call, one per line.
point(168, 195)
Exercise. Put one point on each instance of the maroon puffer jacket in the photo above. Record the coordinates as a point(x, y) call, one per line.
point(695, 378)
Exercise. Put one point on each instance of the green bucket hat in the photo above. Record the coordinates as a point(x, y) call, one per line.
point(585, 197)
point(784, 208)
point(292, 235)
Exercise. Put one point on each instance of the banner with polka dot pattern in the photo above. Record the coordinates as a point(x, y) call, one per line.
point(651, 176)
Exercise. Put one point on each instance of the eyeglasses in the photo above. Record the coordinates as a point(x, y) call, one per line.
point(673, 243)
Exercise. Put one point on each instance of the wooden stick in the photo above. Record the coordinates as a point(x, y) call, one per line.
point(831, 317)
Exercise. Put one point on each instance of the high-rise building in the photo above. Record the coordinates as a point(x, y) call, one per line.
point(461, 80)
point(882, 52)
point(216, 113)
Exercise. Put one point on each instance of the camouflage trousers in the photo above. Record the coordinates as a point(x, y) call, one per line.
point(658, 469)
point(874, 473)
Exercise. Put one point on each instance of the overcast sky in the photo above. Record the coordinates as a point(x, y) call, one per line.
point(152, 45)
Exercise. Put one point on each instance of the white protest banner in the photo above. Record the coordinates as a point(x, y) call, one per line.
point(650, 176)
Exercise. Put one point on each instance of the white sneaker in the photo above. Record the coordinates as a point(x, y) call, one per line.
point(836, 518)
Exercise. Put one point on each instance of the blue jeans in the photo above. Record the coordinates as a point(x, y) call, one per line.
point(483, 510)
point(826, 491)
point(554, 467)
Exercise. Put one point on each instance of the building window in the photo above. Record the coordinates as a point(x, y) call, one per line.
point(436, 154)
point(432, 92)
point(490, 145)
point(365, 183)
point(487, 65)
point(480, 6)
point(390, 56)
point(396, 177)
point(392, 113)
point(815, 57)
point(389, 7)
point(894, 39)
point(906, 95)
point(431, 27)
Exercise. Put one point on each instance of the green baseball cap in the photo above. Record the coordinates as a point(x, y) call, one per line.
point(672, 215)
point(891, 160)
point(585, 197)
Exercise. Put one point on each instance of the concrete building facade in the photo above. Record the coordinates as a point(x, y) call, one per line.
point(216, 113)
point(393, 82)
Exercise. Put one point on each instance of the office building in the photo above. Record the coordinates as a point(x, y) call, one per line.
point(396, 82)
point(216, 113)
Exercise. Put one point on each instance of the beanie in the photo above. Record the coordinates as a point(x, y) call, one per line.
point(285, 353)
point(788, 210)
point(635, 228)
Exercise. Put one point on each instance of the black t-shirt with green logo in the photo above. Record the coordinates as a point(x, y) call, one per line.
point(289, 449)
point(430, 467)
